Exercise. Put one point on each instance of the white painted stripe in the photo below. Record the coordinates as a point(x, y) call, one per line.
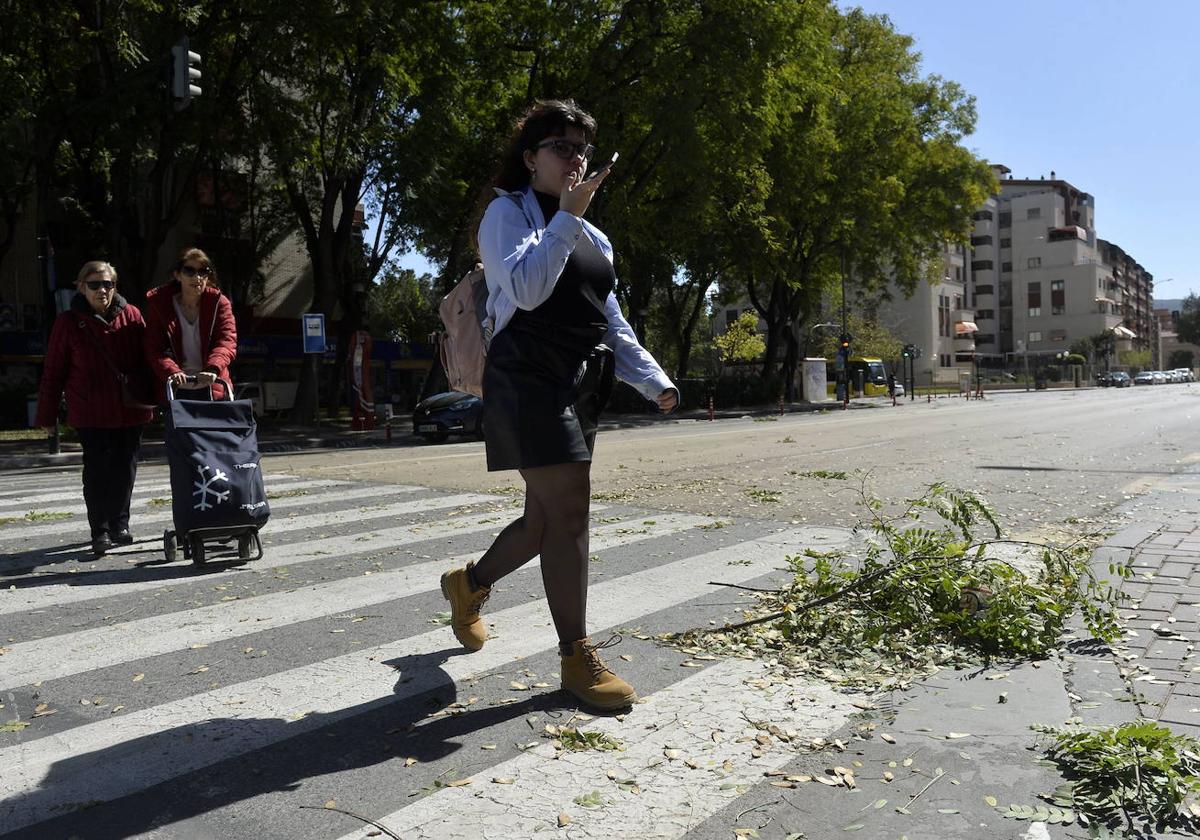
point(107, 760)
point(54, 657)
point(141, 498)
point(16, 599)
point(276, 524)
point(146, 485)
point(674, 798)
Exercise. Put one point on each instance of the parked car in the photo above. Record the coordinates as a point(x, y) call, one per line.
point(1146, 377)
point(1119, 379)
point(449, 413)
point(1185, 374)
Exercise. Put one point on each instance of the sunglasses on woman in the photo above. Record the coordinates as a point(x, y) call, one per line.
point(192, 271)
point(97, 285)
point(566, 150)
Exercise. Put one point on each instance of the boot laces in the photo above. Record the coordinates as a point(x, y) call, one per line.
point(478, 599)
point(592, 657)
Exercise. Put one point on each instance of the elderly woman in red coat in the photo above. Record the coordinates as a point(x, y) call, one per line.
point(190, 329)
point(92, 344)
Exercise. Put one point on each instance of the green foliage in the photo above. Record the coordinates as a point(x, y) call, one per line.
point(404, 306)
point(923, 591)
point(577, 740)
point(1076, 359)
point(1135, 360)
point(1121, 775)
point(1181, 359)
point(1187, 326)
point(741, 341)
point(870, 339)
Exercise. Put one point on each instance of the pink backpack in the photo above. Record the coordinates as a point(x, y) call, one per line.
point(464, 344)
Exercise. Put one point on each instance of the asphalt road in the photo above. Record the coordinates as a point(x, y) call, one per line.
point(1042, 459)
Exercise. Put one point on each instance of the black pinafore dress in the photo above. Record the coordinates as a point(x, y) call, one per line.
point(548, 376)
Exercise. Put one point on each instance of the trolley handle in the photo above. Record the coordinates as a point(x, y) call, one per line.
point(192, 380)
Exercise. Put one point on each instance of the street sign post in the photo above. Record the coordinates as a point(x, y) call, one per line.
point(313, 337)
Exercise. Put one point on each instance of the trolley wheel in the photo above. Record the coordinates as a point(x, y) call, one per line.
point(198, 551)
point(245, 543)
point(169, 546)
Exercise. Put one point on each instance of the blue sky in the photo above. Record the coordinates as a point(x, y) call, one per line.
point(1104, 92)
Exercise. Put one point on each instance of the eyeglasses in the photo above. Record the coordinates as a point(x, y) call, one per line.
point(567, 150)
point(192, 271)
point(97, 285)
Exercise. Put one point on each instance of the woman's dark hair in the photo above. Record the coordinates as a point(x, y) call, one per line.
point(544, 118)
point(196, 255)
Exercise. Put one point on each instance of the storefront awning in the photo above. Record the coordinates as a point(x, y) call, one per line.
point(1123, 332)
point(965, 328)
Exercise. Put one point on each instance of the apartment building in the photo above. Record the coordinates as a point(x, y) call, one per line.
point(936, 319)
point(1040, 279)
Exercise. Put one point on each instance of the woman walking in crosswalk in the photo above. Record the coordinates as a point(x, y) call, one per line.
point(558, 338)
point(95, 358)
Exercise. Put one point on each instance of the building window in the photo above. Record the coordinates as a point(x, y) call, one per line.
point(945, 359)
point(1006, 219)
point(976, 241)
point(958, 302)
point(1033, 262)
point(1005, 243)
point(985, 314)
point(1058, 297)
point(1035, 312)
point(982, 265)
point(1006, 267)
point(943, 315)
point(1035, 299)
point(985, 290)
point(1035, 336)
point(982, 215)
point(1033, 213)
point(958, 273)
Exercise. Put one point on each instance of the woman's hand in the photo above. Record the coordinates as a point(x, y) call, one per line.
point(205, 377)
point(177, 379)
point(667, 400)
point(577, 191)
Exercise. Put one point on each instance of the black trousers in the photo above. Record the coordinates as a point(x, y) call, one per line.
point(109, 469)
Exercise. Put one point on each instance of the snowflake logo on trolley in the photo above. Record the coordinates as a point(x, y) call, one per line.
point(204, 488)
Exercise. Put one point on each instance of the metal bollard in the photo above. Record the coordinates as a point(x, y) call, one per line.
point(711, 409)
point(387, 431)
point(781, 405)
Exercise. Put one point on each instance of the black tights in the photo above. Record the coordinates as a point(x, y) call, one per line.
point(555, 525)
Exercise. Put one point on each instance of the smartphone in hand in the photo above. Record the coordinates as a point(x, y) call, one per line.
point(604, 168)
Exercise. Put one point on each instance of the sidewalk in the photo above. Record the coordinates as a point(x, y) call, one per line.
point(273, 439)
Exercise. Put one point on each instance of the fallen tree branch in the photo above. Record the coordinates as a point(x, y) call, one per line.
point(380, 826)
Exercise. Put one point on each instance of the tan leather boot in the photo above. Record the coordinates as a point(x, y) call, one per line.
point(586, 676)
point(465, 604)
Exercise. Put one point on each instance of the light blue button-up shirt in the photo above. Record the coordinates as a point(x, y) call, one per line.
point(523, 258)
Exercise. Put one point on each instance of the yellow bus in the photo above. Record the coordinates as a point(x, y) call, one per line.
point(873, 373)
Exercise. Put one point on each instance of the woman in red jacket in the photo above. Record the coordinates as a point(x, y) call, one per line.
point(190, 329)
point(98, 336)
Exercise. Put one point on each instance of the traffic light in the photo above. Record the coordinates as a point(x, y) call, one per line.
point(185, 74)
point(908, 352)
point(844, 344)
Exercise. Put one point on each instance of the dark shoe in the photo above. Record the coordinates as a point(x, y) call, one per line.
point(121, 537)
point(101, 545)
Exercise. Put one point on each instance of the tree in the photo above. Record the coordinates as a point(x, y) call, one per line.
point(1135, 360)
point(868, 179)
point(741, 341)
point(404, 306)
point(1181, 359)
point(869, 338)
point(1187, 326)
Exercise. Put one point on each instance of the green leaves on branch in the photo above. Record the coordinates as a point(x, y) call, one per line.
point(1120, 776)
point(741, 341)
point(930, 586)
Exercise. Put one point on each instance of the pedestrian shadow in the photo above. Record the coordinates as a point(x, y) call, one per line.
point(205, 767)
point(146, 570)
point(24, 562)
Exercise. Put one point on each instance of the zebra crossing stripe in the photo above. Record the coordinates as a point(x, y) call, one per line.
point(142, 496)
point(73, 488)
point(674, 797)
point(103, 761)
point(276, 524)
point(107, 584)
point(54, 657)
